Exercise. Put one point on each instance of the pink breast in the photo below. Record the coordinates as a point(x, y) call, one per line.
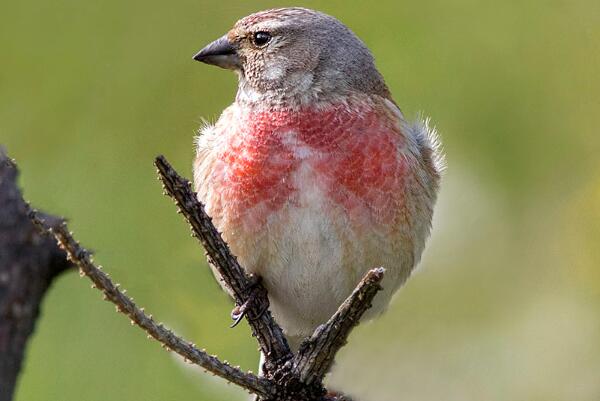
point(355, 156)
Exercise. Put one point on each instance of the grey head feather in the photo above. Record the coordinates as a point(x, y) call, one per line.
point(311, 56)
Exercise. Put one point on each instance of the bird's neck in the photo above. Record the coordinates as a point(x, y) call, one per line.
point(302, 90)
point(294, 97)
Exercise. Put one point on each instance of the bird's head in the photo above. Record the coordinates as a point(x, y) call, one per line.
point(294, 55)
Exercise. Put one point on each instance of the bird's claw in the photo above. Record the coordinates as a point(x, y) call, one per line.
point(238, 313)
point(336, 396)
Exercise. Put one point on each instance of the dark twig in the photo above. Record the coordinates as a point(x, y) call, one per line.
point(82, 259)
point(268, 333)
point(316, 354)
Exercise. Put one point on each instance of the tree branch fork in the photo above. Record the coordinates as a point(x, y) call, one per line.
point(286, 376)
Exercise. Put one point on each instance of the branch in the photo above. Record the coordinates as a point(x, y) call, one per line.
point(287, 378)
point(82, 259)
point(305, 373)
point(268, 333)
point(29, 263)
point(316, 354)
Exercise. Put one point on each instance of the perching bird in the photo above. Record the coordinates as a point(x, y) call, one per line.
point(312, 175)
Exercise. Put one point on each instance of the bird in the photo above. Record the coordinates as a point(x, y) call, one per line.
point(313, 175)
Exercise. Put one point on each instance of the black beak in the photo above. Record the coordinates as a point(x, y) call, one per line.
point(220, 53)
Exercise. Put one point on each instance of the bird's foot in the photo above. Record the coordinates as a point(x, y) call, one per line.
point(336, 396)
point(238, 313)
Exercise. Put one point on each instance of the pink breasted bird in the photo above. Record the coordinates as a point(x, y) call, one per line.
point(313, 175)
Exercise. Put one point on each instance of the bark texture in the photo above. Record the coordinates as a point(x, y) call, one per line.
point(29, 262)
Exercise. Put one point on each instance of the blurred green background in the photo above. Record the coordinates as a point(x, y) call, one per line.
point(506, 304)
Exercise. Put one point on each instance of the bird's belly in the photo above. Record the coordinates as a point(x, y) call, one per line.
point(313, 258)
point(313, 251)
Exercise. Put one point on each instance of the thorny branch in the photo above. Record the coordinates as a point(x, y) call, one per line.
point(268, 333)
point(316, 355)
point(82, 259)
point(289, 377)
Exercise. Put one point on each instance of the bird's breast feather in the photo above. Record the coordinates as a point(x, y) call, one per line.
point(353, 152)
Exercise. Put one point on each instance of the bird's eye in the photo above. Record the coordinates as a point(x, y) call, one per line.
point(261, 38)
